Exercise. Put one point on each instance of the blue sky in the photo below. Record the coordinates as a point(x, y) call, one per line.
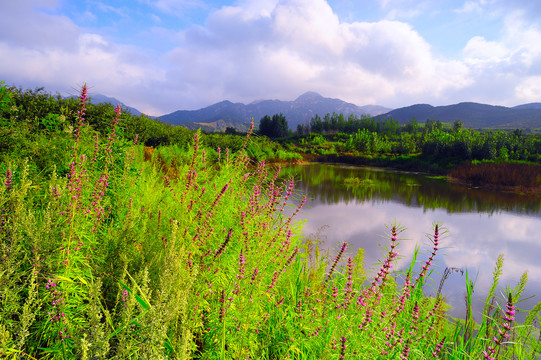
point(165, 55)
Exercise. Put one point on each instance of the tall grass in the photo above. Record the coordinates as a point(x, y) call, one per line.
point(175, 253)
point(513, 176)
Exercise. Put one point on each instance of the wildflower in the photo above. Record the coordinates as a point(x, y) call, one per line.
point(435, 248)
point(343, 340)
point(224, 244)
point(336, 260)
point(81, 112)
point(439, 346)
point(254, 275)
point(503, 333)
point(242, 260)
point(405, 352)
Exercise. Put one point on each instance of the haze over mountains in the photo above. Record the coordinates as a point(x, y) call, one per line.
point(301, 110)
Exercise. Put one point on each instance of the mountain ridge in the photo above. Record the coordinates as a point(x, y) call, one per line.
point(226, 113)
point(472, 114)
point(298, 111)
point(104, 99)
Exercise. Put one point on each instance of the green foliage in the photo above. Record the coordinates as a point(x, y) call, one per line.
point(275, 127)
point(469, 144)
point(368, 142)
point(407, 144)
point(5, 99)
point(443, 145)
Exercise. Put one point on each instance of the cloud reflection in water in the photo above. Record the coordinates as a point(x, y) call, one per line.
point(477, 233)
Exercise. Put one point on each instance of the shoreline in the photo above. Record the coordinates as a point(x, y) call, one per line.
point(417, 165)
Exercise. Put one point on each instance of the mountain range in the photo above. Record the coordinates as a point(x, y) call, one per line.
point(100, 99)
point(473, 115)
point(301, 110)
point(298, 111)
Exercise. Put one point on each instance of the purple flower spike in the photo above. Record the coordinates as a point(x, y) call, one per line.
point(504, 332)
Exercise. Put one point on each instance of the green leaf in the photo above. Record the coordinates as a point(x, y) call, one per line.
point(139, 299)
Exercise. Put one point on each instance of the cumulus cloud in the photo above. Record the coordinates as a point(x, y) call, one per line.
point(300, 45)
point(478, 50)
point(529, 90)
point(505, 70)
point(21, 24)
point(51, 51)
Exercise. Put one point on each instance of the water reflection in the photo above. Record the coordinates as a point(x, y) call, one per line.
point(330, 184)
point(481, 224)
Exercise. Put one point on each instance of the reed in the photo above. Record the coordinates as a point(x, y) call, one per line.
point(521, 177)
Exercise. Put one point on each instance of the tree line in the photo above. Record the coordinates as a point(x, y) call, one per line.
point(434, 139)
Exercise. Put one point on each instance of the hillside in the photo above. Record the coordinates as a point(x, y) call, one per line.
point(473, 115)
point(102, 99)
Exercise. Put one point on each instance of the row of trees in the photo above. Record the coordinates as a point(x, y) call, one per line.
point(432, 139)
point(439, 144)
point(338, 123)
point(385, 135)
point(275, 127)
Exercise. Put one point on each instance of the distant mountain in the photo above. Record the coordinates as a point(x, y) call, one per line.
point(529, 106)
point(473, 115)
point(102, 99)
point(99, 99)
point(299, 111)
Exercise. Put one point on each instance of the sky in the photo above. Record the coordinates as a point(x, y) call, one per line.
point(160, 56)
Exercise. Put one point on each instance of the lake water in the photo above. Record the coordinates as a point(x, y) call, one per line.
point(480, 225)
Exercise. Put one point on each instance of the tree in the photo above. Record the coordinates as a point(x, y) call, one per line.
point(431, 125)
point(327, 122)
point(457, 126)
point(274, 127)
point(316, 125)
point(230, 130)
point(265, 125)
point(303, 129)
point(368, 123)
point(412, 126)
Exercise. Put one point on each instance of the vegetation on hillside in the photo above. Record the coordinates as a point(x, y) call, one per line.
point(432, 140)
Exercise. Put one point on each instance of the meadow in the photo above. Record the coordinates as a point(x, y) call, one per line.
point(111, 249)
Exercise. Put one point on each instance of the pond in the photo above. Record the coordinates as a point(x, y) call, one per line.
point(357, 204)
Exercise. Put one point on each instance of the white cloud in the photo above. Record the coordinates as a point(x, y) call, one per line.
point(21, 24)
point(174, 7)
point(529, 90)
point(301, 45)
point(112, 9)
point(471, 6)
point(480, 50)
point(505, 70)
